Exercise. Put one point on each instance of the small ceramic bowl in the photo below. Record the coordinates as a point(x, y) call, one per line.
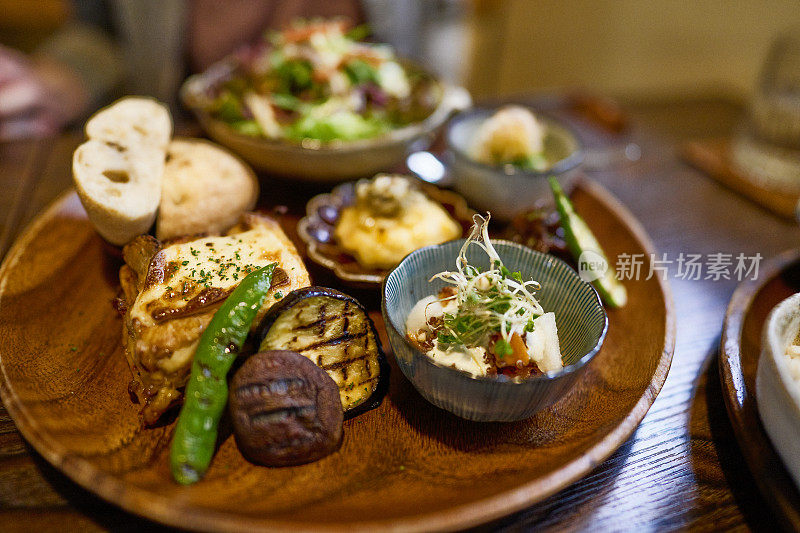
point(580, 318)
point(316, 229)
point(777, 392)
point(311, 160)
point(506, 190)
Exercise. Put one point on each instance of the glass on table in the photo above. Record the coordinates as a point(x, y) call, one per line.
point(767, 149)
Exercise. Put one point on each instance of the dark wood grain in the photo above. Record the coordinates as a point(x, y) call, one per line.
point(406, 465)
point(22, 161)
point(740, 350)
point(681, 469)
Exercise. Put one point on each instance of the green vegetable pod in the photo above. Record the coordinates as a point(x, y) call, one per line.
point(206, 394)
point(580, 240)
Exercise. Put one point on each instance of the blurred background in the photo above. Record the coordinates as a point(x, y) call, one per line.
point(61, 59)
point(627, 48)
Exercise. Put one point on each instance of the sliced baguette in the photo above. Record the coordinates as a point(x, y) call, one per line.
point(120, 190)
point(119, 170)
point(131, 122)
point(205, 189)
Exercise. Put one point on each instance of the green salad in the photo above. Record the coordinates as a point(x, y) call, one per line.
point(320, 80)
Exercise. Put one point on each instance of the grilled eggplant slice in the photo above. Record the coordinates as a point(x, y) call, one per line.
point(334, 331)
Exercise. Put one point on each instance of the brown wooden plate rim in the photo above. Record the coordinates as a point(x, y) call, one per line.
point(141, 502)
point(732, 378)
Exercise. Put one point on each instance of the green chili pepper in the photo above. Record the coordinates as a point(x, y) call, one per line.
point(207, 391)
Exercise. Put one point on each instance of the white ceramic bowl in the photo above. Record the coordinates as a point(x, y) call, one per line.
point(311, 160)
point(506, 190)
point(777, 393)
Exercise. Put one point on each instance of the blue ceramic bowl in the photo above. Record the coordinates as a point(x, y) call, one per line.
point(580, 318)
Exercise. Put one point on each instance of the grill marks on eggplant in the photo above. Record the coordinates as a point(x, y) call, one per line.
point(347, 337)
point(337, 335)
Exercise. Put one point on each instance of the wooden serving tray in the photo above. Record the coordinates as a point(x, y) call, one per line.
point(406, 465)
point(713, 158)
point(740, 349)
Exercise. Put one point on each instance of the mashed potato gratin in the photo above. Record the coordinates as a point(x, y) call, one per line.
point(389, 219)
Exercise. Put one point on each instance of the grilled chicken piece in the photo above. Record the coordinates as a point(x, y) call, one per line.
point(171, 292)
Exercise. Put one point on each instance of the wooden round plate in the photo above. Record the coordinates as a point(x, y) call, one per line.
point(740, 348)
point(406, 465)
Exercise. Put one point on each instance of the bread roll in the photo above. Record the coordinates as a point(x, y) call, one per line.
point(205, 189)
point(118, 171)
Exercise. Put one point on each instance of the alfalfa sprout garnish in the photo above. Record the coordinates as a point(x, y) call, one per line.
point(486, 320)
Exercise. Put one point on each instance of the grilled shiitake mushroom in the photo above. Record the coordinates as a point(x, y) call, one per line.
point(285, 410)
point(334, 331)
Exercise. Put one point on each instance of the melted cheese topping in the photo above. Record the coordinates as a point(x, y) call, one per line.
point(210, 268)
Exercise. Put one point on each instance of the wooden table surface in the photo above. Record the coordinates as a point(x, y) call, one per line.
point(681, 469)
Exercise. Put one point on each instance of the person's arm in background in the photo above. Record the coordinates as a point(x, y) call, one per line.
point(71, 68)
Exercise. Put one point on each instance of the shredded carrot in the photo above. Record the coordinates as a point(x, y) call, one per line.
point(302, 33)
